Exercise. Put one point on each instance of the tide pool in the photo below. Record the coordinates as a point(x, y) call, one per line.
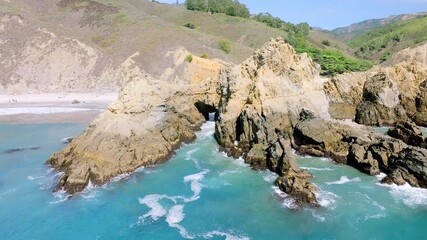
point(198, 194)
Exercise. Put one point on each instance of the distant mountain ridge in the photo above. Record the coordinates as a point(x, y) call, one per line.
point(363, 27)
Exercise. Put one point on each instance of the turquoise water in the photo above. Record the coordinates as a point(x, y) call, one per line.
point(198, 194)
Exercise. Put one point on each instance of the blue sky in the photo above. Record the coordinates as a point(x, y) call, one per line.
point(330, 14)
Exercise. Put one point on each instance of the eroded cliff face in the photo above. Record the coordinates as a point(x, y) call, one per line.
point(407, 70)
point(260, 102)
point(143, 127)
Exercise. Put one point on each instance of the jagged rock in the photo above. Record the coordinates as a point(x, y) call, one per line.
point(142, 128)
point(414, 161)
point(261, 100)
point(409, 133)
point(381, 104)
point(400, 176)
point(344, 93)
point(408, 70)
point(364, 149)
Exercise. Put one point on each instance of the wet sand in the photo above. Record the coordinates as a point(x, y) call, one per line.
point(53, 108)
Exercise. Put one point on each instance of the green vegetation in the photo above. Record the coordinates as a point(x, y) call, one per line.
point(275, 22)
point(326, 42)
point(332, 62)
point(204, 56)
point(121, 17)
point(104, 42)
point(229, 7)
point(189, 58)
point(225, 46)
point(190, 25)
point(390, 38)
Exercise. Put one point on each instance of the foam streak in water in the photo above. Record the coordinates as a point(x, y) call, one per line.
point(175, 216)
point(344, 180)
point(196, 186)
point(227, 236)
point(410, 196)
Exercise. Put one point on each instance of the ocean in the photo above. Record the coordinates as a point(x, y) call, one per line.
point(199, 194)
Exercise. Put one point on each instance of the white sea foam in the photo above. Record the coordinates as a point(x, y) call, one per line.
point(325, 198)
point(228, 172)
point(228, 236)
point(270, 177)
point(9, 191)
point(381, 176)
point(318, 169)
point(344, 180)
point(174, 217)
point(196, 186)
point(35, 178)
point(61, 196)
point(207, 129)
point(42, 110)
point(288, 201)
point(410, 196)
point(152, 201)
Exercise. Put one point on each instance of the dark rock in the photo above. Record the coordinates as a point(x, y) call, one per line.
point(306, 115)
point(409, 133)
point(15, 150)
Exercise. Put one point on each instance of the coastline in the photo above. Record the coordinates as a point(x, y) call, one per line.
point(53, 108)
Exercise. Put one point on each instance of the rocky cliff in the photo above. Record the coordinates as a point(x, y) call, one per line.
point(404, 77)
point(272, 102)
point(147, 123)
point(260, 102)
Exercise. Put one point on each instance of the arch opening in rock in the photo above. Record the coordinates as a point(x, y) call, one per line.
point(208, 111)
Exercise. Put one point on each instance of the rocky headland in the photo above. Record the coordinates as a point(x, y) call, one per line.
point(270, 103)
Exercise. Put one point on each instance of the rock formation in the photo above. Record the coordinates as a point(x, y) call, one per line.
point(260, 101)
point(409, 133)
point(147, 123)
point(405, 75)
point(380, 105)
point(273, 101)
point(364, 149)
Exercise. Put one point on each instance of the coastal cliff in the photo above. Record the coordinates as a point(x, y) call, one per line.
point(143, 127)
point(270, 103)
point(363, 96)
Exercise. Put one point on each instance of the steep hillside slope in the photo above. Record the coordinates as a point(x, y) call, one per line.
point(382, 42)
point(363, 27)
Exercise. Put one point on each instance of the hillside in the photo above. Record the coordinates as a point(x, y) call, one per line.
point(363, 27)
point(380, 43)
point(78, 45)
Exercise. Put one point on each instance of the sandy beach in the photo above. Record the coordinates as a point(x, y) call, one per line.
point(53, 108)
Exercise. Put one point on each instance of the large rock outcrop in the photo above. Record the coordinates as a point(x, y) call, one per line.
point(406, 72)
point(381, 104)
point(364, 149)
point(409, 133)
point(147, 123)
point(260, 102)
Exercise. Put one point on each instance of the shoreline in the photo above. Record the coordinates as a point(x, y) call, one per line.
point(53, 108)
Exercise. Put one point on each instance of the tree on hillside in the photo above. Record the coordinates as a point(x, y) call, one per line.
point(196, 5)
point(229, 7)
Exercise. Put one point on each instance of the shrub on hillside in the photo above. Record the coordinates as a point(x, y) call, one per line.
point(190, 25)
point(225, 46)
point(189, 58)
point(326, 42)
